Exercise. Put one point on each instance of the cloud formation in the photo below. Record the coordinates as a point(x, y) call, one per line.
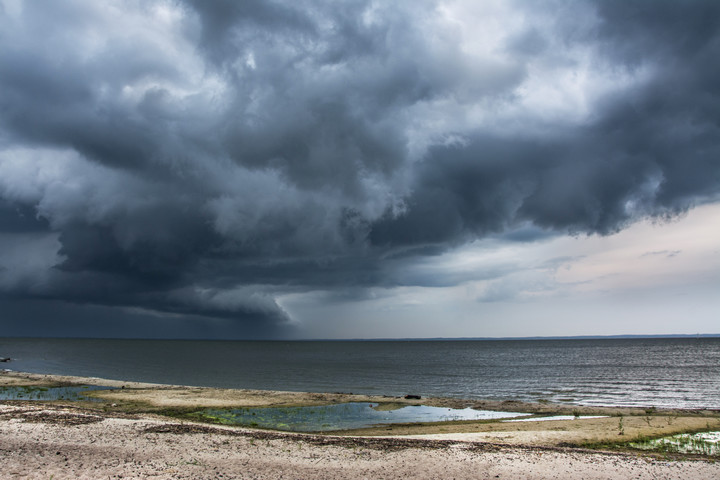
point(201, 158)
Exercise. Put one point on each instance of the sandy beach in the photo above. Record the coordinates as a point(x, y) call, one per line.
point(124, 438)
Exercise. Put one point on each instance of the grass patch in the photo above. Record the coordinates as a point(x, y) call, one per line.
point(694, 442)
point(699, 443)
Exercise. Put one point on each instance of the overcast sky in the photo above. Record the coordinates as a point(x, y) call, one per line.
point(359, 169)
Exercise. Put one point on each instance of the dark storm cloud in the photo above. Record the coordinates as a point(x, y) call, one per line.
point(24, 317)
point(636, 32)
point(652, 150)
point(203, 158)
point(20, 218)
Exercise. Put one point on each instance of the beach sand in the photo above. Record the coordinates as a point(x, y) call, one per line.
point(52, 440)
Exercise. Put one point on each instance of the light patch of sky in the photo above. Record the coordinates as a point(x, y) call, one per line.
point(26, 260)
point(652, 278)
point(553, 80)
point(12, 8)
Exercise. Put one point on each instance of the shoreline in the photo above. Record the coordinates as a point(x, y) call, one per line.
point(128, 423)
point(173, 395)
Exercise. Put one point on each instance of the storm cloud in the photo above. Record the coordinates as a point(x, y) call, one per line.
point(192, 159)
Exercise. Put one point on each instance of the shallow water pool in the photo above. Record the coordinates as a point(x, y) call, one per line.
point(344, 416)
point(555, 417)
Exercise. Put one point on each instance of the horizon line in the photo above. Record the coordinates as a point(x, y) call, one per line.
point(391, 339)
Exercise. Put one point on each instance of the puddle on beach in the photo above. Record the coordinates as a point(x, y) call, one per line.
point(705, 443)
point(344, 416)
point(69, 393)
point(555, 417)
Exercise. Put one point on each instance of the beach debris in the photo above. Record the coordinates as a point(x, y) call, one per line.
point(60, 418)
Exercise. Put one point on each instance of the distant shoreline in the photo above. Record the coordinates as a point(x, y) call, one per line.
point(399, 339)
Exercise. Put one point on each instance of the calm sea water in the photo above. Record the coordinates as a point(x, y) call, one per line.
point(621, 372)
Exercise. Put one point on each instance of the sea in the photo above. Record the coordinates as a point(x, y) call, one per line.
point(646, 372)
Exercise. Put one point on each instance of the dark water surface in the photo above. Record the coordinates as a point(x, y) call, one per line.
point(662, 372)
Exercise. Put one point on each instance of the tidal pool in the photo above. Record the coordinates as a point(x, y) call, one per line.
point(344, 416)
point(705, 443)
point(69, 393)
point(555, 417)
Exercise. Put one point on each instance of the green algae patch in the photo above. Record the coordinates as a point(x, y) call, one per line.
point(388, 407)
point(69, 393)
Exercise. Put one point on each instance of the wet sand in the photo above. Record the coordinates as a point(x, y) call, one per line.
point(123, 437)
